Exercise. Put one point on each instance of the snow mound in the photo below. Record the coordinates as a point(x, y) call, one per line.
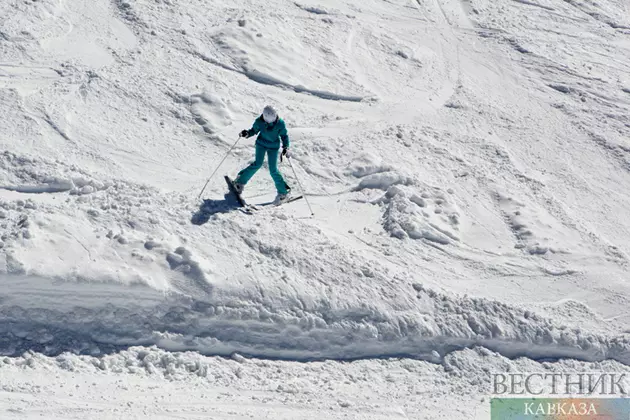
point(375, 174)
point(536, 231)
point(316, 10)
point(39, 175)
point(211, 112)
point(383, 181)
point(406, 212)
point(429, 215)
point(367, 164)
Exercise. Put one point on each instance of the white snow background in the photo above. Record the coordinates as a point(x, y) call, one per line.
point(468, 163)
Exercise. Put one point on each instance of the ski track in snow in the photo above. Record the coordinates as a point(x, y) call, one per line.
point(466, 161)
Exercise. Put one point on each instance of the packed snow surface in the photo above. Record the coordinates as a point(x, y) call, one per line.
point(468, 164)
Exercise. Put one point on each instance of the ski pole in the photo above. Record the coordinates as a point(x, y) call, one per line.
point(217, 168)
point(300, 185)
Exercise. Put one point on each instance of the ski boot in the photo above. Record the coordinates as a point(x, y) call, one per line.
point(282, 198)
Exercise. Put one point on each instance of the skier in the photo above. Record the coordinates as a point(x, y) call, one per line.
point(271, 132)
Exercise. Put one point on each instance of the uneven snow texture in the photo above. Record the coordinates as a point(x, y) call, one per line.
point(151, 383)
point(468, 164)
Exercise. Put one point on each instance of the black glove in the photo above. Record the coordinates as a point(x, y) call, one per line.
point(244, 133)
point(285, 152)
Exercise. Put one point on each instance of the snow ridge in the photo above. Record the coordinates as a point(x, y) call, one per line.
point(99, 319)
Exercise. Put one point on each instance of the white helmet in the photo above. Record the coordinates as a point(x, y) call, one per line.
point(269, 114)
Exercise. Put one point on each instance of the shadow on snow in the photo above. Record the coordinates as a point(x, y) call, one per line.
point(209, 207)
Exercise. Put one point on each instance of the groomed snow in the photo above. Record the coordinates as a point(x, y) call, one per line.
point(467, 163)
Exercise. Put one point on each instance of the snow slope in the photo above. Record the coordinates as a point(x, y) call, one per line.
point(467, 162)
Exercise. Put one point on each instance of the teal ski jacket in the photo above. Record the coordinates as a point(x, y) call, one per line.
point(270, 135)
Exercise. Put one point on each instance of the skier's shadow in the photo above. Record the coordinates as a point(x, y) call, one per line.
point(208, 208)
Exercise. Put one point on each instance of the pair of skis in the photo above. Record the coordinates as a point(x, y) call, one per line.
point(249, 208)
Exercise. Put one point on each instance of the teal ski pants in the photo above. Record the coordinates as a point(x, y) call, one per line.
point(272, 159)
